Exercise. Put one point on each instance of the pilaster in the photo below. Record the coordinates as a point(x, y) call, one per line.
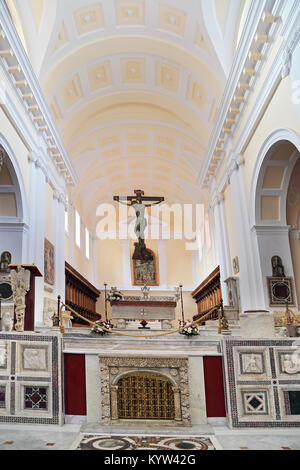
point(251, 289)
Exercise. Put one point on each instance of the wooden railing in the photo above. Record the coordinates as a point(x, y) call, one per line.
point(81, 295)
point(208, 295)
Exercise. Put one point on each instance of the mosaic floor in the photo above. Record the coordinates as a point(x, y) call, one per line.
point(105, 442)
point(72, 437)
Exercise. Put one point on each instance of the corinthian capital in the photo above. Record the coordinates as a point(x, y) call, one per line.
point(287, 58)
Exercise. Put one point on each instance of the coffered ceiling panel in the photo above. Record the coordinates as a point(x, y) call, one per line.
point(89, 19)
point(171, 19)
point(100, 76)
point(133, 70)
point(71, 91)
point(134, 87)
point(130, 13)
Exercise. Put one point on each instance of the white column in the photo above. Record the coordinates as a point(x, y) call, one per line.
point(82, 248)
point(162, 261)
point(37, 231)
point(94, 259)
point(32, 210)
point(126, 263)
point(212, 230)
point(251, 290)
point(71, 233)
point(59, 211)
point(222, 242)
point(195, 267)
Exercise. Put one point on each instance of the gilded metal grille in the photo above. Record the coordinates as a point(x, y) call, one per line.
point(145, 396)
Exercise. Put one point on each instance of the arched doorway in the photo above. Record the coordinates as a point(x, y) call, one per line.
point(271, 225)
point(145, 395)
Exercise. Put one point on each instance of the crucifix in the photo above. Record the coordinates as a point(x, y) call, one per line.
point(137, 202)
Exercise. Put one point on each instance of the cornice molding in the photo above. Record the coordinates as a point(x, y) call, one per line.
point(291, 32)
point(271, 229)
point(242, 78)
point(22, 77)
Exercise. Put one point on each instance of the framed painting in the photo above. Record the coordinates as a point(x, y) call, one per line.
point(49, 262)
point(145, 272)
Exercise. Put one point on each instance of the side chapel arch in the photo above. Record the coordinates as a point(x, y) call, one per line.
point(13, 205)
point(269, 191)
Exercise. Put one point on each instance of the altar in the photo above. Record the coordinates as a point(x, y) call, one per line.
point(138, 309)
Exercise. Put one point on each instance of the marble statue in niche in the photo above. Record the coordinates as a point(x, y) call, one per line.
point(5, 261)
point(277, 267)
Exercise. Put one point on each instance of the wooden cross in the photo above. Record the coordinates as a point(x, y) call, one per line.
point(139, 198)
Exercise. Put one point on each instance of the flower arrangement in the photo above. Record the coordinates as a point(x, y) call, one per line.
point(114, 295)
point(100, 327)
point(188, 329)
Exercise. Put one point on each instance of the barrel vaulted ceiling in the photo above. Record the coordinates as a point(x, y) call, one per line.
point(134, 87)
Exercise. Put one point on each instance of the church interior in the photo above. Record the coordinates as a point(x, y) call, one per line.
point(149, 225)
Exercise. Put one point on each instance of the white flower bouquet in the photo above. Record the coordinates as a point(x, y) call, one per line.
point(188, 329)
point(114, 295)
point(100, 328)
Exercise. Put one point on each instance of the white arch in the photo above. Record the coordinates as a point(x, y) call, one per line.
point(18, 182)
point(274, 138)
point(143, 371)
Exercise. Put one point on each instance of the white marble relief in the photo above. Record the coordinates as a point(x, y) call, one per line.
point(291, 363)
point(35, 359)
point(3, 354)
point(7, 321)
point(252, 363)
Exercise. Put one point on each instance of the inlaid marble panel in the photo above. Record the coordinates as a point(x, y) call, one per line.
point(262, 380)
point(30, 379)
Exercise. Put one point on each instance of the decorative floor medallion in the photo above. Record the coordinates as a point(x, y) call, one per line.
point(114, 443)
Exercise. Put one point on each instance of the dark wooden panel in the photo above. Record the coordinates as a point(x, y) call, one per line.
point(81, 295)
point(75, 384)
point(214, 387)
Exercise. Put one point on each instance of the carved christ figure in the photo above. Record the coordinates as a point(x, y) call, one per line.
point(136, 202)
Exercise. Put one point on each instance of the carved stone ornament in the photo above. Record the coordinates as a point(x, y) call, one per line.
point(7, 321)
point(291, 363)
point(20, 283)
point(286, 62)
point(3, 354)
point(174, 368)
point(35, 359)
point(2, 156)
point(50, 307)
point(252, 363)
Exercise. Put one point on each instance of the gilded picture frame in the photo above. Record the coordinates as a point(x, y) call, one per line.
point(145, 272)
